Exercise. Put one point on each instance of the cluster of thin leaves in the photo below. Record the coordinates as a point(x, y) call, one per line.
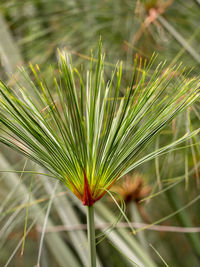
point(88, 136)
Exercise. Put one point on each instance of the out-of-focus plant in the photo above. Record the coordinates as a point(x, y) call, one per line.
point(132, 188)
point(168, 27)
point(88, 136)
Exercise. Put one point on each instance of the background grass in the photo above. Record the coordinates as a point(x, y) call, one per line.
point(32, 31)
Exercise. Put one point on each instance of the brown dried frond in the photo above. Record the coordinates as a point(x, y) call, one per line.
point(133, 188)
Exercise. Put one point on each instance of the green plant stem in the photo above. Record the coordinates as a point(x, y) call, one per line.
point(185, 221)
point(91, 235)
point(135, 216)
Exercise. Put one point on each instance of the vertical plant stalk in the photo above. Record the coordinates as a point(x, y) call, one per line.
point(91, 236)
point(185, 221)
point(9, 51)
point(135, 216)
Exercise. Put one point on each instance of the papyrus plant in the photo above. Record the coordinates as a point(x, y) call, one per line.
point(86, 132)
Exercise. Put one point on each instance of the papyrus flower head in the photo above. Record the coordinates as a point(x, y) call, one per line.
point(81, 131)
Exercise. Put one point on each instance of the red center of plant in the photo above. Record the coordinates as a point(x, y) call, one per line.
point(87, 195)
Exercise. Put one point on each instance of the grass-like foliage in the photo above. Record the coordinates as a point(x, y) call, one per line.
point(89, 134)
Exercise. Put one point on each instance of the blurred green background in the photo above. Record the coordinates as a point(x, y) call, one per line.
point(31, 31)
